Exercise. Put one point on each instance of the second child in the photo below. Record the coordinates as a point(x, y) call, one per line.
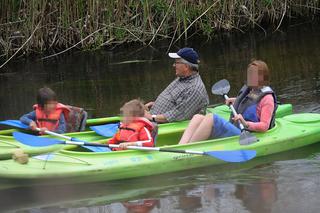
point(135, 129)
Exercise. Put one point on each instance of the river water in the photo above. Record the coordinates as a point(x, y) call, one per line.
point(102, 81)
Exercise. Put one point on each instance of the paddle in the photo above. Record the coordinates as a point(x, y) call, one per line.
point(106, 130)
point(222, 88)
point(17, 123)
point(228, 156)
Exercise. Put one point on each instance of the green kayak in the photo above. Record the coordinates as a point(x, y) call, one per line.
point(291, 132)
point(167, 132)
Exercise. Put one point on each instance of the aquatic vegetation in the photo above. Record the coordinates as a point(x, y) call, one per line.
point(38, 26)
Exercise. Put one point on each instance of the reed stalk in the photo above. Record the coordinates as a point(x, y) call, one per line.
point(92, 24)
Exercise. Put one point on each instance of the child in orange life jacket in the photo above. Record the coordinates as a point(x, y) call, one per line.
point(134, 130)
point(48, 114)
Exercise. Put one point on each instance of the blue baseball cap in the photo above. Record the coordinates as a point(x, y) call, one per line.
point(188, 54)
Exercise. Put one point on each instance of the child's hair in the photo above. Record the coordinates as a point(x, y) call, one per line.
point(135, 108)
point(45, 94)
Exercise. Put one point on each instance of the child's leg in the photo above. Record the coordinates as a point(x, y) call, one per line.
point(192, 127)
point(204, 130)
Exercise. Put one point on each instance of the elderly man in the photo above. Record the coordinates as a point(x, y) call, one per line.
point(185, 96)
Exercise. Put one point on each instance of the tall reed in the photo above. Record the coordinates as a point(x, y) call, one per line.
point(38, 26)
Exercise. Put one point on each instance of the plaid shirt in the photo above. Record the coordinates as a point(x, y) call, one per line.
point(182, 99)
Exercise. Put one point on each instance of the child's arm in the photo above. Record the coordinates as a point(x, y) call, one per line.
point(28, 118)
point(145, 138)
point(113, 140)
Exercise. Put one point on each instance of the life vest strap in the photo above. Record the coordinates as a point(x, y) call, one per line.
point(48, 120)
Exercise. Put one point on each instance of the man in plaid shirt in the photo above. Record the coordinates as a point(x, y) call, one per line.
point(185, 96)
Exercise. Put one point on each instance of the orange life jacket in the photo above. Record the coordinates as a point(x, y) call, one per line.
point(130, 133)
point(51, 121)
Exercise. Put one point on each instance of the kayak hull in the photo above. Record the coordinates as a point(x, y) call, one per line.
point(291, 132)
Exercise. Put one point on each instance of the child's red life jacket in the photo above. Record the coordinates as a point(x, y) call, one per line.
point(51, 121)
point(139, 130)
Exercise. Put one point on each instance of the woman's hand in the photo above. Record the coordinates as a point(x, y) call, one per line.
point(230, 101)
point(240, 118)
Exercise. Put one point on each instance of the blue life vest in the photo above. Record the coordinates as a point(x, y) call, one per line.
point(246, 103)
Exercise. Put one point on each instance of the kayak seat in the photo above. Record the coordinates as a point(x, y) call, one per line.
point(154, 132)
point(76, 121)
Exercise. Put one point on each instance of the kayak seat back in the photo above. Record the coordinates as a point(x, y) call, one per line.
point(76, 122)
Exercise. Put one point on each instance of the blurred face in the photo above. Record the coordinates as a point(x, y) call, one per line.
point(127, 117)
point(50, 106)
point(254, 77)
point(180, 68)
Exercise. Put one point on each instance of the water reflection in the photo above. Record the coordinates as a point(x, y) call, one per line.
point(259, 196)
point(266, 184)
point(141, 206)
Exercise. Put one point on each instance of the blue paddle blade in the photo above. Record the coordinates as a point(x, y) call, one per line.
point(107, 130)
point(15, 123)
point(32, 140)
point(92, 148)
point(97, 148)
point(233, 156)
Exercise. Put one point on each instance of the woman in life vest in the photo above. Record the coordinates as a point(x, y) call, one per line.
point(135, 129)
point(48, 114)
point(255, 104)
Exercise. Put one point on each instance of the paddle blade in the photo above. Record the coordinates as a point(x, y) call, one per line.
point(107, 130)
point(32, 140)
point(233, 156)
point(92, 148)
point(246, 138)
point(222, 87)
point(15, 123)
point(97, 148)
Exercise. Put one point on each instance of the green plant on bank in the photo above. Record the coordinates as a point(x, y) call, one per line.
point(37, 26)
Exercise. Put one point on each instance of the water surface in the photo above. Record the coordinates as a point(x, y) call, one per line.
point(287, 182)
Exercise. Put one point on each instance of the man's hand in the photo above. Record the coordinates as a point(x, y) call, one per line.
point(148, 105)
point(147, 115)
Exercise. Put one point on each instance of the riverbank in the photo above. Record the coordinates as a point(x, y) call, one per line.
point(46, 27)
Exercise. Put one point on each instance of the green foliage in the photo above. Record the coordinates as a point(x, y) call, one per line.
point(64, 23)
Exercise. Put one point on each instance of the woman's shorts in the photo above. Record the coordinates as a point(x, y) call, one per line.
point(222, 128)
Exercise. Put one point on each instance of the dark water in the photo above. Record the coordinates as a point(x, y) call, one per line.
point(288, 182)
